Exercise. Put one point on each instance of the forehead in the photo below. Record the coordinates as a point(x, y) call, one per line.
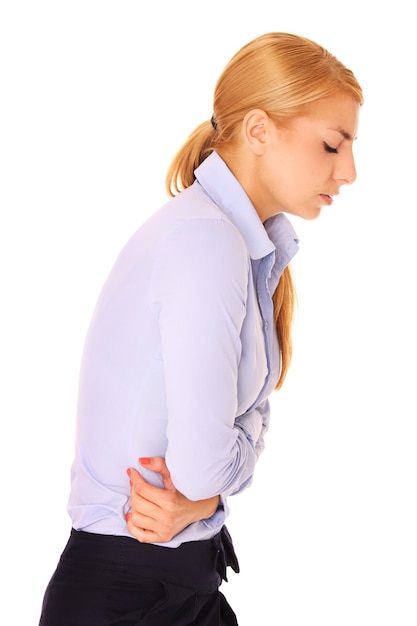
point(339, 113)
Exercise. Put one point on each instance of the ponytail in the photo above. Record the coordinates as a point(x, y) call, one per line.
point(198, 146)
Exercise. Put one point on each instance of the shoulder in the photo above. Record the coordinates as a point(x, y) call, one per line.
point(195, 222)
point(199, 248)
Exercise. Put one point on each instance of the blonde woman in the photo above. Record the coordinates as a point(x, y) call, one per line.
point(190, 336)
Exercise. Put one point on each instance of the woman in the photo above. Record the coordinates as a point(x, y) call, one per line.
point(190, 336)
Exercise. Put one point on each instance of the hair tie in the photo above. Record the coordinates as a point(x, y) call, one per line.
point(213, 122)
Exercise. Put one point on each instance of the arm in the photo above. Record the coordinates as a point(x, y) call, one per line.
point(157, 515)
point(199, 296)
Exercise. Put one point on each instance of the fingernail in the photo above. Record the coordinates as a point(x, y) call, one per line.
point(128, 472)
point(127, 516)
point(145, 460)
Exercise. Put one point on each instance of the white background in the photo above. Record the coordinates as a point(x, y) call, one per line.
point(96, 97)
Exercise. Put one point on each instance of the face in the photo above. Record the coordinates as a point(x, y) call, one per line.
point(304, 166)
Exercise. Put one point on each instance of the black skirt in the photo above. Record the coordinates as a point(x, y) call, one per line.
point(107, 580)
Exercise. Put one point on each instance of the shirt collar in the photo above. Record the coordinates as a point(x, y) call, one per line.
point(277, 235)
point(282, 233)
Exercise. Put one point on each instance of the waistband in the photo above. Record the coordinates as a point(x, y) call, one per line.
point(196, 564)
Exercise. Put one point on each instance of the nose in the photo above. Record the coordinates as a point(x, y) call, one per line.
point(345, 170)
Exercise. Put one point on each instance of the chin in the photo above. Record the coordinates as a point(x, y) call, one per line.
point(310, 214)
point(314, 214)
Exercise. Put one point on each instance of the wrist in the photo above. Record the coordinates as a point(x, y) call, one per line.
point(207, 508)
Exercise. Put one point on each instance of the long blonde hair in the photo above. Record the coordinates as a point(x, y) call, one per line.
point(282, 74)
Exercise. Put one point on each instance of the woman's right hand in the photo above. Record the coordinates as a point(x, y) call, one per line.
point(158, 514)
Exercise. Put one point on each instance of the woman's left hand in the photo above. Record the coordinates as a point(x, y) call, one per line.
point(158, 514)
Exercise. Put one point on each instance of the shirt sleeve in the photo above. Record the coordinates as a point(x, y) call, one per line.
point(199, 293)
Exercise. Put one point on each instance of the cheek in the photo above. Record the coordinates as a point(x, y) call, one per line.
point(304, 169)
point(315, 158)
point(318, 166)
point(303, 158)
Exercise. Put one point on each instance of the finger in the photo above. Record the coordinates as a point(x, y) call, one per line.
point(156, 497)
point(140, 486)
point(157, 464)
point(145, 508)
point(145, 535)
point(136, 479)
point(143, 496)
point(141, 534)
point(142, 521)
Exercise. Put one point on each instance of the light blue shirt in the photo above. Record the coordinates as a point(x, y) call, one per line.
point(181, 355)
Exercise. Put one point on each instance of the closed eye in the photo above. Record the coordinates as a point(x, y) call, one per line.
point(329, 148)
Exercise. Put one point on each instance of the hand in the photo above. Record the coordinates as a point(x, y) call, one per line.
point(158, 514)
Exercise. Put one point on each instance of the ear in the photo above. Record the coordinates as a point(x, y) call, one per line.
point(254, 127)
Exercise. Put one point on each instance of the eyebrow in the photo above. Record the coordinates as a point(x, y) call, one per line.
point(345, 134)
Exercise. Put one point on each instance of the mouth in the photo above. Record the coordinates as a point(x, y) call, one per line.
point(327, 198)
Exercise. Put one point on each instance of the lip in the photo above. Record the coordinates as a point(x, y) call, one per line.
point(326, 199)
